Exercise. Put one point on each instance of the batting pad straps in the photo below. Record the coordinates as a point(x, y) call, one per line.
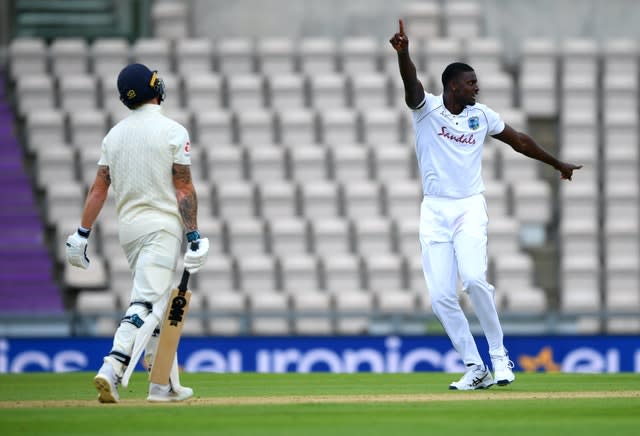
point(120, 357)
point(146, 304)
point(133, 319)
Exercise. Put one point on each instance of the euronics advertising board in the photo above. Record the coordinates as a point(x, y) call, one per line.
point(340, 354)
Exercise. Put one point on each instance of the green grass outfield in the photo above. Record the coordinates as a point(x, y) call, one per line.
point(326, 404)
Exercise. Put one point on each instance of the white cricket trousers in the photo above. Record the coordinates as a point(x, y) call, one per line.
point(453, 239)
point(153, 260)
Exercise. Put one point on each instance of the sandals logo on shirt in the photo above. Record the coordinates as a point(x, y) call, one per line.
point(474, 123)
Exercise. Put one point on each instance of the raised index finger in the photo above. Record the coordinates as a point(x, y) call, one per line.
point(401, 26)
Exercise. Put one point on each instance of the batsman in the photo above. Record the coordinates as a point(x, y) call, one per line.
point(146, 160)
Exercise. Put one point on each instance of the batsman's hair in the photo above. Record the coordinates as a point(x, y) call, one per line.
point(453, 70)
point(137, 84)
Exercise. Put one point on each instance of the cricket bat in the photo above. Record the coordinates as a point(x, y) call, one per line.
point(170, 331)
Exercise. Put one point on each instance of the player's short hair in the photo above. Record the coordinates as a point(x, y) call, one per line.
point(453, 70)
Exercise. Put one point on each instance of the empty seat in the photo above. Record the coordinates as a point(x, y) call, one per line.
point(496, 194)
point(341, 271)
point(353, 310)
point(194, 324)
point(277, 200)
point(369, 90)
point(524, 300)
point(228, 312)
point(513, 270)
point(503, 234)
point(532, 204)
point(27, 55)
point(384, 272)
point(358, 55)
point(102, 308)
point(269, 313)
point(580, 278)
point(257, 273)
point(579, 201)
point(45, 126)
point(539, 57)
point(87, 127)
point(55, 163)
point(193, 56)
point(109, 56)
point(349, 162)
point(485, 55)
point(155, 53)
point(216, 275)
point(317, 55)
point(440, 52)
point(361, 199)
point(266, 163)
point(462, 18)
point(319, 199)
point(245, 236)
point(423, 19)
point(35, 92)
point(621, 202)
point(225, 163)
point(297, 126)
point(256, 126)
point(373, 235)
point(235, 56)
point(619, 96)
point(69, 56)
point(170, 20)
point(330, 235)
point(64, 202)
point(402, 198)
point(622, 282)
point(88, 157)
point(288, 236)
point(275, 56)
point(328, 90)
point(311, 313)
point(286, 92)
point(620, 57)
point(338, 126)
point(213, 127)
point(579, 57)
point(308, 163)
point(245, 91)
point(538, 94)
point(406, 236)
point(382, 126)
point(299, 273)
point(234, 200)
point(497, 90)
point(203, 90)
point(77, 92)
point(577, 93)
point(392, 302)
point(580, 236)
point(621, 239)
point(393, 163)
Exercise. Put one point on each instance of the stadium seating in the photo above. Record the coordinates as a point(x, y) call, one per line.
point(304, 148)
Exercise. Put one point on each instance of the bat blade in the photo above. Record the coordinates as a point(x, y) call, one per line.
point(170, 333)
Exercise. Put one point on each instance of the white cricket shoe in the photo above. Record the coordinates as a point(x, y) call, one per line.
point(502, 369)
point(106, 382)
point(476, 377)
point(166, 393)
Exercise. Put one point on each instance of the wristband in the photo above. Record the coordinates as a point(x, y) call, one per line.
point(84, 232)
point(193, 235)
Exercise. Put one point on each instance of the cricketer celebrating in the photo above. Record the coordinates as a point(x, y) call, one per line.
point(450, 130)
point(146, 159)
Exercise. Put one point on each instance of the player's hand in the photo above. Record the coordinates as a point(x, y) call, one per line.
point(566, 170)
point(399, 41)
point(77, 250)
point(196, 255)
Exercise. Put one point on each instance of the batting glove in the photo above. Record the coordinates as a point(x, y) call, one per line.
point(197, 252)
point(77, 248)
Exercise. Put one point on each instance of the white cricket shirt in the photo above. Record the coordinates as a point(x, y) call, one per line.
point(140, 151)
point(449, 147)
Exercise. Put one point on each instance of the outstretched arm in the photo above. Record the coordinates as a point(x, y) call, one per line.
point(413, 90)
point(523, 143)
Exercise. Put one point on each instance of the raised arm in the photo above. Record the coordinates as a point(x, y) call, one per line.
point(525, 144)
point(413, 89)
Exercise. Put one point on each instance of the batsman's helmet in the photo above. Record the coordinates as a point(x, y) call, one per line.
point(138, 84)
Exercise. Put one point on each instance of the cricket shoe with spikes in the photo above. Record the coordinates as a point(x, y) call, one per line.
point(502, 369)
point(106, 383)
point(167, 393)
point(476, 377)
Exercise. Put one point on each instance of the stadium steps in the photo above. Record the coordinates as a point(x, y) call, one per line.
point(27, 281)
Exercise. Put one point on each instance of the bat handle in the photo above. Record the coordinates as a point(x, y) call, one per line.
point(184, 280)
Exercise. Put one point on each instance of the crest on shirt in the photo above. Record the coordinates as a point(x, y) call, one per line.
point(474, 123)
point(187, 147)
